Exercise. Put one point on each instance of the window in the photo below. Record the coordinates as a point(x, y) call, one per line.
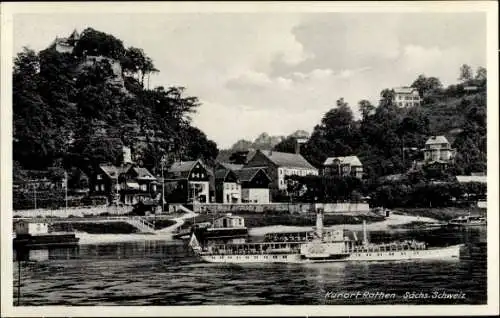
point(97, 187)
point(400, 104)
point(99, 177)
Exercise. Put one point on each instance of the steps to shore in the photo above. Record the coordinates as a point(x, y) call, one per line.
point(141, 224)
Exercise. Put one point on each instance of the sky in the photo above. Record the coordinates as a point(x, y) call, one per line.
point(279, 72)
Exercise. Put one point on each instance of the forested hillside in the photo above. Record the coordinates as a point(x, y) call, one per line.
point(79, 108)
point(388, 139)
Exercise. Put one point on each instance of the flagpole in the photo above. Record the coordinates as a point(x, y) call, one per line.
point(66, 191)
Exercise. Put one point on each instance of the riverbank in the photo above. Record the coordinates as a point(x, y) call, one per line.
point(164, 233)
point(388, 224)
point(441, 214)
point(255, 220)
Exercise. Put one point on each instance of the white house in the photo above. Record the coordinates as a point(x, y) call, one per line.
point(438, 149)
point(343, 166)
point(227, 186)
point(278, 165)
point(254, 185)
point(229, 221)
point(406, 97)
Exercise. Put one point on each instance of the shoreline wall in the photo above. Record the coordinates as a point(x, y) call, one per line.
point(282, 207)
point(80, 211)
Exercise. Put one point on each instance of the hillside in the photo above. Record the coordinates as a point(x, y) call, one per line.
point(78, 102)
point(264, 142)
point(379, 138)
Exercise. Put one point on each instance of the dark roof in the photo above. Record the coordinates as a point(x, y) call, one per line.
point(181, 169)
point(247, 174)
point(285, 159)
point(231, 166)
point(143, 173)
point(221, 174)
point(112, 171)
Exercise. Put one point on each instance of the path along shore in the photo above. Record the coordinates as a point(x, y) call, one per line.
point(162, 234)
point(167, 233)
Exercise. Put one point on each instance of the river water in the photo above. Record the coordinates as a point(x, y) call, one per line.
point(165, 273)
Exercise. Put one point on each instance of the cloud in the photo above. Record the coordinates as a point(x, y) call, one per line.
point(279, 72)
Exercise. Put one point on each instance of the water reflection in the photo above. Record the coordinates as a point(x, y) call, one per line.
point(166, 273)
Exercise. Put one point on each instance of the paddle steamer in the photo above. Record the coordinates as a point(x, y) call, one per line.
point(320, 246)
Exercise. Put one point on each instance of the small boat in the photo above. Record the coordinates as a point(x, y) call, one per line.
point(468, 221)
point(334, 247)
point(225, 229)
point(36, 234)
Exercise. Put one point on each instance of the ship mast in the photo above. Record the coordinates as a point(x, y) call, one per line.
point(365, 235)
point(319, 223)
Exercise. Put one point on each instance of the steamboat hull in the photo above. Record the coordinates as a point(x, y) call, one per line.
point(445, 253)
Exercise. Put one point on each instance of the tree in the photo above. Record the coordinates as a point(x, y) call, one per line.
point(465, 73)
point(239, 157)
point(136, 62)
point(96, 43)
point(481, 76)
point(387, 97)
point(68, 110)
point(337, 135)
point(427, 85)
point(366, 108)
point(286, 145)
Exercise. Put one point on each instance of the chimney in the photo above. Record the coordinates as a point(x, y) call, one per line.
point(319, 223)
point(127, 155)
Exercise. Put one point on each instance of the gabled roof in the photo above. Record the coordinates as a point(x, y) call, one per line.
point(247, 174)
point(181, 169)
point(437, 140)
point(143, 173)
point(112, 171)
point(288, 160)
point(350, 160)
point(404, 90)
point(221, 174)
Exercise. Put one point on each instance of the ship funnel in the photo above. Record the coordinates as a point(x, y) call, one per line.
point(319, 223)
point(365, 234)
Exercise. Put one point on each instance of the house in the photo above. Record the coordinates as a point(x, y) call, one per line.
point(66, 45)
point(229, 221)
point(406, 97)
point(105, 181)
point(343, 166)
point(438, 150)
point(137, 185)
point(128, 184)
point(254, 185)
point(187, 182)
point(278, 165)
point(227, 185)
